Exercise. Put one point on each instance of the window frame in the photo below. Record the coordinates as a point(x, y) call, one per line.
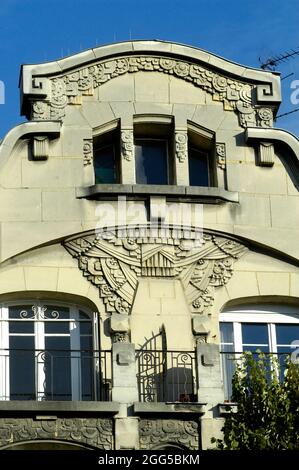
point(153, 139)
point(268, 314)
point(39, 334)
point(248, 315)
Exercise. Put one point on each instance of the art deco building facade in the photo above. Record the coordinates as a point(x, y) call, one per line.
point(149, 230)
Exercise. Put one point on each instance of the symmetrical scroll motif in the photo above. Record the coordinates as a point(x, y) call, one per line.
point(114, 264)
point(157, 432)
point(94, 432)
point(71, 87)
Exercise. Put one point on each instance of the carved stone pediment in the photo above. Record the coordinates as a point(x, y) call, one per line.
point(114, 261)
point(70, 88)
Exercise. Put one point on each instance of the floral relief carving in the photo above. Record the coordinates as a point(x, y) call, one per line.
point(181, 146)
point(69, 89)
point(114, 264)
point(92, 431)
point(221, 156)
point(127, 144)
point(156, 432)
point(87, 151)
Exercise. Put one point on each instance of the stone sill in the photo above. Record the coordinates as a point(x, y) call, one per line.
point(208, 195)
point(58, 407)
point(227, 408)
point(169, 408)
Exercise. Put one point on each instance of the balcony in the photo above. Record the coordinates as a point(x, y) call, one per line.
point(55, 375)
point(166, 376)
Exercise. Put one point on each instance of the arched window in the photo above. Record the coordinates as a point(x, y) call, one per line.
point(266, 327)
point(48, 352)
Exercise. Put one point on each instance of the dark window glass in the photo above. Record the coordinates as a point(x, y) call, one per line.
point(19, 313)
point(198, 168)
point(58, 368)
point(105, 165)
point(255, 334)
point(53, 312)
point(286, 334)
point(22, 368)
point(25, 326)
point(57, 327)
point(151, 161)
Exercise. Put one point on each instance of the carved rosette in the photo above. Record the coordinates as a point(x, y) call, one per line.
point(87, 151)
point(181, 145)
point(114, 264)
point(92, 431)
point(69, 89)
point(221, 156)
point(157, 432)
point(127, 144)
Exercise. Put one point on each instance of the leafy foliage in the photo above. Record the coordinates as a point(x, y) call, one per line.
point(268, 409)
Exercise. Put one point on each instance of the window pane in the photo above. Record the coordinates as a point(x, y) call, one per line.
point(86, 342)
point(151, 161)
point(105, 165)
point(21, 327)
point(58, 368)
point(53, 312)
point(21, 312)
point(255, 333)
point(57, 327)
point(285, 334)
point(198, 168)
point(22, 371)
point(226, 333)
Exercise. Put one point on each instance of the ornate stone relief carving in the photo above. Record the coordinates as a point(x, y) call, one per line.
point(70, 87)
point(127, 144)
point(87, 151)
point(221, 156)
point(181, 145)
point(154, 432)
point(114, 263)
point(91, 431)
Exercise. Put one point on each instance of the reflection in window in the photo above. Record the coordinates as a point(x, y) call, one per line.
point(105, 164)
point(198, 168)
point(46, 353)
point(151, 159)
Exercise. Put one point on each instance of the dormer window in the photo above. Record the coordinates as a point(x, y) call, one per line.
point(148, 153)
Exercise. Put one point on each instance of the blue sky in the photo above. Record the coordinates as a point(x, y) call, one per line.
point(34, 31)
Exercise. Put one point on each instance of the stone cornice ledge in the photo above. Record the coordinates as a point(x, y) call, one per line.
point(280, 135)
point(169, 408)
point(227, 408)
point(57, 407)
point(205, 194)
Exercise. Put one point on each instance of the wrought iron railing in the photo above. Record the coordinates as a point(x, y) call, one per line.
point(228, 367)
point(28, 374)
point(166, 376)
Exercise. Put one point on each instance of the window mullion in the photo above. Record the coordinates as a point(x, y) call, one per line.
point(238, 336)
point(75, 354)
point(41, 356)
point(4, 361)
